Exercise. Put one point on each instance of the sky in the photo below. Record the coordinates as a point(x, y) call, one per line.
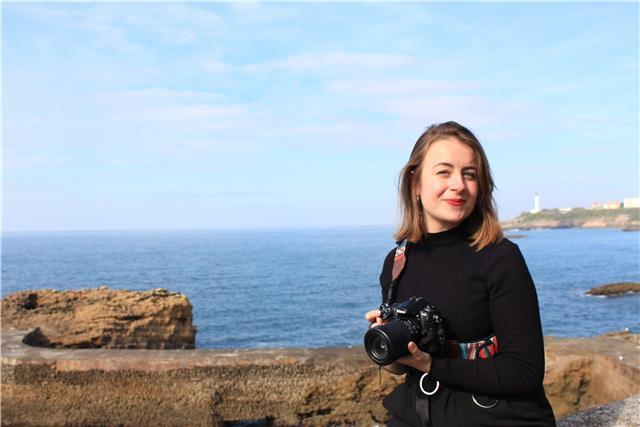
point(278, 115)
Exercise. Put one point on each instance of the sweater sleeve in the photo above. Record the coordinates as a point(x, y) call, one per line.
point(518, 367)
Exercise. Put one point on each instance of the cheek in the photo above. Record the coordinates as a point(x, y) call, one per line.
point(432, 189)
point(473, 188)
point(473, 191)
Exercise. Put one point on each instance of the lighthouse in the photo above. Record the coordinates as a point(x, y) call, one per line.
point(536, 204)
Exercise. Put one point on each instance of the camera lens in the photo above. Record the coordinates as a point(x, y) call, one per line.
point(386, 343)
point(379, 347)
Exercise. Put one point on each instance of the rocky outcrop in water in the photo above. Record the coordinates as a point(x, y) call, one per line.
point(102, 318)
point(615, 289)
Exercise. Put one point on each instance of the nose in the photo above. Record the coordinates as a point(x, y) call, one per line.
point(456, 182)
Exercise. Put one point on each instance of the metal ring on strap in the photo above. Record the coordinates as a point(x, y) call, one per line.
point(483, 406)
point(428, 393)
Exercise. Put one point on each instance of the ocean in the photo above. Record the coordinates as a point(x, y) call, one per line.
point(310, 288)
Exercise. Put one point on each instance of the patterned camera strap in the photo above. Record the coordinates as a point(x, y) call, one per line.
point(481, 349)
point(399, 261)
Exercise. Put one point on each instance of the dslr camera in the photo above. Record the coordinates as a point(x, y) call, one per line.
point(412, 320)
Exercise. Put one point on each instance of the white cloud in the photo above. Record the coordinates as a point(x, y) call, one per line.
point(332, 61)
point(120, 27)
point(216, 67)
point(378, 87)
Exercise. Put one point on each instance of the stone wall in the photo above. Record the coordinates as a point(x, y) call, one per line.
point(321, 387)
point(43, 386)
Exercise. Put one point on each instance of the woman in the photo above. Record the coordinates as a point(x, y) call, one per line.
point(458, 260)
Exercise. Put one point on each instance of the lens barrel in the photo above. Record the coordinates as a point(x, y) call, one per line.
point(386, 343)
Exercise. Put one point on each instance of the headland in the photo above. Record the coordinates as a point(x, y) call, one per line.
point(627, 219)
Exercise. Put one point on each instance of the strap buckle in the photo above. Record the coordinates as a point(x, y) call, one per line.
point(473, 397)
point(428, 393)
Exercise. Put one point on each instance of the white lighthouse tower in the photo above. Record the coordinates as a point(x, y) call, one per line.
point(536, 204)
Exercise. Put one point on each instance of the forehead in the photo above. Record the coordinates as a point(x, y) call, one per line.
point(449, 150)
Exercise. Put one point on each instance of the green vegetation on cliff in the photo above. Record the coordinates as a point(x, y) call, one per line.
point(624, 218)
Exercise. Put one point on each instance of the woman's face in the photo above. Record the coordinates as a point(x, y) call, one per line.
point(448, 185)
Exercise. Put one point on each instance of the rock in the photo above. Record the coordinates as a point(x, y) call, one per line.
point(102, 318)
point(621, 413)
point(615, 289)
point(586, 372)
point(283, 387)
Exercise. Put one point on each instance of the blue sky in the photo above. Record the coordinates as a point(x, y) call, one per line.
point(203, 115)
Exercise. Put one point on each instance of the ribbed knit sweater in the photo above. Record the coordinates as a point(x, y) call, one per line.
point(478, 293)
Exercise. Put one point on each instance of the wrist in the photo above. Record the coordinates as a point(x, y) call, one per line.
point(428, 366)
point(395, 368)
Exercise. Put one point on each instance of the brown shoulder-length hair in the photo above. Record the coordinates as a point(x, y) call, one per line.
point(482, 223)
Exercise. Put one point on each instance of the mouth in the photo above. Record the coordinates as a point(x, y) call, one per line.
point(455, 202)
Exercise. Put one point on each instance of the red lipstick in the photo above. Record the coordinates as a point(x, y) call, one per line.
point(455, 202)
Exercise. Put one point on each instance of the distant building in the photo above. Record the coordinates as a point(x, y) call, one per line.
point(595, 205)
point(631, 202)
point(536, 204)
point(565, 210)
point(611, 205)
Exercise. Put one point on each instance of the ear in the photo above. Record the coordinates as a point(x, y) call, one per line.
point(415, 184)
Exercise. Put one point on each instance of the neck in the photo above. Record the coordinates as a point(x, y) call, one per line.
point(440, 229)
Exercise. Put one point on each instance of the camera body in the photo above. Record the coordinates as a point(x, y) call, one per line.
point(412, 320)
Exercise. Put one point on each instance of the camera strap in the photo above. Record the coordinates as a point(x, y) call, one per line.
point(484, 348)
point(399, 261)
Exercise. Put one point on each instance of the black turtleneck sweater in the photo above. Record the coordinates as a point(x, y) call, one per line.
point(478, 294)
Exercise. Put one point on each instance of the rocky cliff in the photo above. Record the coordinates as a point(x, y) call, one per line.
point(102, 318)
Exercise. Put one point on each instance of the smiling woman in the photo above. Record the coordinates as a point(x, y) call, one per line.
point(467, 330)
point(446, 180)
point(448, 185)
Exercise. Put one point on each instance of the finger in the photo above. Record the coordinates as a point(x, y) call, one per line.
point(379, 321)
point(413, 348)
point(371, 315)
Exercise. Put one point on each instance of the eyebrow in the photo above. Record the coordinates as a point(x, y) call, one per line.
point(451, 166)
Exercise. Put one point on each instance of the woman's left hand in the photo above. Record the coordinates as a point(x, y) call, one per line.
point(417, 358)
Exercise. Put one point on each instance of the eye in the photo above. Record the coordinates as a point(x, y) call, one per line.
point(443, 172)
point(469, 174)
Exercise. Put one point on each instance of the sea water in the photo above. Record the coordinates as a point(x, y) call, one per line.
point(310, 288)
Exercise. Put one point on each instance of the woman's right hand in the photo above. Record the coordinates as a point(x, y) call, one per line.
point(374, 318)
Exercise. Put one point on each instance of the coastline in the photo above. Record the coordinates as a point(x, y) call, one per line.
point(626, 219)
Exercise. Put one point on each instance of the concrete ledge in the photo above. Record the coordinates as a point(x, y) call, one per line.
point(286, 387)
point(44, 386)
